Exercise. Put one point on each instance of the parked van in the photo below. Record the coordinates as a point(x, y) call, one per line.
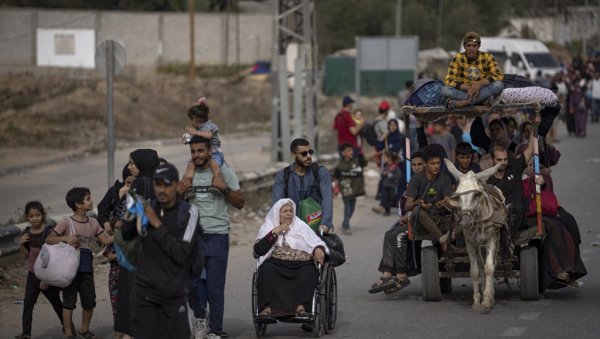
point(525, 57)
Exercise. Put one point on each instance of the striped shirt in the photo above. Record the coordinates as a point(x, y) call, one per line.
point(464, 71)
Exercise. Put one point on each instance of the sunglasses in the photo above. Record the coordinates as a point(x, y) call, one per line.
point(305, 153)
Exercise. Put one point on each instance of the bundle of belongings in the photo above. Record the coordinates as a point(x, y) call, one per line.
point(517, 90)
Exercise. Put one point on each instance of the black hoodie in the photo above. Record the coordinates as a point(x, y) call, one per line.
point(168, 254)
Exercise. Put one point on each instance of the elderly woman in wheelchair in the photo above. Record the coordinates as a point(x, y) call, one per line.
point(287, 276)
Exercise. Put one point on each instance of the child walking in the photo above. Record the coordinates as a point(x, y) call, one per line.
point(31, 242)
point(391, 177)
point(87, 230)
point(204, 127)
point(349, 178)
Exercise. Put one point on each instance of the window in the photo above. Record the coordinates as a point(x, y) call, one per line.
point(541, 60)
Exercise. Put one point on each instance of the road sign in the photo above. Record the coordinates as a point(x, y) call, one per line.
point(102, 52)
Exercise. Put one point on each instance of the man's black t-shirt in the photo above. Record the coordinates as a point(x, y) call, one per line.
point(430, 191)
point(510, 184)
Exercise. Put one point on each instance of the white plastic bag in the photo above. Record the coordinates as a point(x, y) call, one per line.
point(57, 264)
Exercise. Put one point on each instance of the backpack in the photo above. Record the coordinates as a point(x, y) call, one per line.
point(308, 209)
point(369, 134)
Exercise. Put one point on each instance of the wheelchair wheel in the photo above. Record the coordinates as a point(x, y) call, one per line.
point(318, 316)
point(320, 305)
point(254, 295)
point(330, 312)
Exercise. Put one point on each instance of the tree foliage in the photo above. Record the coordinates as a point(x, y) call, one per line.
point(340, 21)
point(129, 5)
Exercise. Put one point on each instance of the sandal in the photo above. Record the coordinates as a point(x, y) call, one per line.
point(561, 280)
point(399, 284)
point(382, 285)
point(87, 334)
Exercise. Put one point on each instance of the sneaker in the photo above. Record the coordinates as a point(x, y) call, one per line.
point(213, 336)
point(224, 335)
point(200, 328)
point(378, 209)
point(346, 231)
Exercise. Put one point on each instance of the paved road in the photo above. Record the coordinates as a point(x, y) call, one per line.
point(567, 313)
point(50, 183)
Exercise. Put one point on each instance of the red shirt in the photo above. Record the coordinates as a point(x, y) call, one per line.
point(342, 123)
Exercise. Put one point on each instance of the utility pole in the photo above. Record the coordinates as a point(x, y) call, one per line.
point(439, 23)
point(192, 73)
point(294, 22)
point(398, 17)
point(585, 33)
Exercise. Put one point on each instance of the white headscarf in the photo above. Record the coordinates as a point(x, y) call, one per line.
point(300, 236)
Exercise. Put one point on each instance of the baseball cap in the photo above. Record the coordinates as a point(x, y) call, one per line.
point(384, 106)
point(167, 173)
point(347, 100)
point(472, 37)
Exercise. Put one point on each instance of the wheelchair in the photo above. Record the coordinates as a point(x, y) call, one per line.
point(323, 312)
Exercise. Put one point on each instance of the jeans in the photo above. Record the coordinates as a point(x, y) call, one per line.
point(216, 252)
point(485, 92)
point(349, 206)
point(198, 295)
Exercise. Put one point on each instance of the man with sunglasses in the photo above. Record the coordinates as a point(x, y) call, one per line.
point(302, 180)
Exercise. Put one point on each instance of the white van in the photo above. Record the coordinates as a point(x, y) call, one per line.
point(525, 57)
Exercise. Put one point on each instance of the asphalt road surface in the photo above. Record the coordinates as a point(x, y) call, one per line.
point(567, 313)
point(49, 184)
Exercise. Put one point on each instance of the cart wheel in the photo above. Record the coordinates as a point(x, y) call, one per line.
point(541, 273)
point(528, 261)
point(446, 285)
point(430, 274)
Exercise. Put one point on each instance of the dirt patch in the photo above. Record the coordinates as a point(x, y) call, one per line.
point(65, 111)
point(60, 112)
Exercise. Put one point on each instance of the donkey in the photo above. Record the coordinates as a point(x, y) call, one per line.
point(482, 214)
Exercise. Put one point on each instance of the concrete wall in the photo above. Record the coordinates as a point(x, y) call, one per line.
point(150, 38)
point(576, 23)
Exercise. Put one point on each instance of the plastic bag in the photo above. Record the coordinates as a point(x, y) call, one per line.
point(311, 213)
point(57, 264)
